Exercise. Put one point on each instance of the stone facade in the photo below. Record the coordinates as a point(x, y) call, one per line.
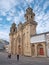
point(20, 37)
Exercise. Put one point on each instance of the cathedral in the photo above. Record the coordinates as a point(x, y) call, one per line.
point(25, 41)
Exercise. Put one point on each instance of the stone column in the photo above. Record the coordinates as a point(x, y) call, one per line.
point(35, 50)
point(44, 50)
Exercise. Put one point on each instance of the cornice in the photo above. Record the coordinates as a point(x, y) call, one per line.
point(30, 22)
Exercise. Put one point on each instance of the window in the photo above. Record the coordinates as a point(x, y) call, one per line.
point(14, 30)
point(31, 16)
point(27, 17)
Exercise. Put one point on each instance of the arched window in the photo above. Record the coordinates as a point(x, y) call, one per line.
point(31, 16)
point(14, 30)
point(27, 17)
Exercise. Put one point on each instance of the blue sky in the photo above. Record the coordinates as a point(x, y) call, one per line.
point(14, 10)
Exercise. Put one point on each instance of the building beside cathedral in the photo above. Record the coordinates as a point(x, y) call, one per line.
point(25, 41)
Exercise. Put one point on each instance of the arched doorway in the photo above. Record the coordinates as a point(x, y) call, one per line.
point(33, 49)
point(40, 50)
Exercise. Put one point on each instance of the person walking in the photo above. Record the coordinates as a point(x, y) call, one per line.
point(17, 57)
point(9, 55)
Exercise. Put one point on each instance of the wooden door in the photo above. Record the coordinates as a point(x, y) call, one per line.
point(41, 51)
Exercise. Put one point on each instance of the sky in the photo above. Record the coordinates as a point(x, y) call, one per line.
point(14, 10)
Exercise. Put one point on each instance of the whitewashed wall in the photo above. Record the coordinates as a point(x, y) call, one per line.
point(47, 38)
point(38, 38)
point(41, 38)
point(47, 42)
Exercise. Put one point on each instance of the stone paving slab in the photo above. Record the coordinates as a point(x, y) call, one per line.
point(4, 60)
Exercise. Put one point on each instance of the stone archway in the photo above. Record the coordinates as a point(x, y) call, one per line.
point(40, 49)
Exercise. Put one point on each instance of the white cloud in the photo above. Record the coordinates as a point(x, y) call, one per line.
point(16, 20)
point(19, 18)
point(41, 17)
point(21, 13)
point(4, 35)
point(1, 25)
point(6, 4)
point(2, 13)
point(8, 7)
point(46, 4)
point(9, 18)
point(46, 16)
point(29, 1)
point(43, 22)
point(1, 19)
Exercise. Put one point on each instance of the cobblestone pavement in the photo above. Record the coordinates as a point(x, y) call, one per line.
point(4, 60)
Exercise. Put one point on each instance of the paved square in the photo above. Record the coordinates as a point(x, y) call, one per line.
point(4, 60)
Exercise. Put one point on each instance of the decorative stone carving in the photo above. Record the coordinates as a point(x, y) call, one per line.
point(29, 10)
point(20, 26)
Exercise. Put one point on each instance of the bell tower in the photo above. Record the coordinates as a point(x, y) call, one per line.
point(29, 16)
point(30, 19)
point(13, 30)
point(29, 29)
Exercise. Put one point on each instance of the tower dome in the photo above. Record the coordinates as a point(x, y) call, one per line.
point(29, 16)
point(13, 25)
point(13, 28)
point(29, 10)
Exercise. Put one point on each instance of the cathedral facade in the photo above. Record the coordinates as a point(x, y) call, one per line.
point(25, 41)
